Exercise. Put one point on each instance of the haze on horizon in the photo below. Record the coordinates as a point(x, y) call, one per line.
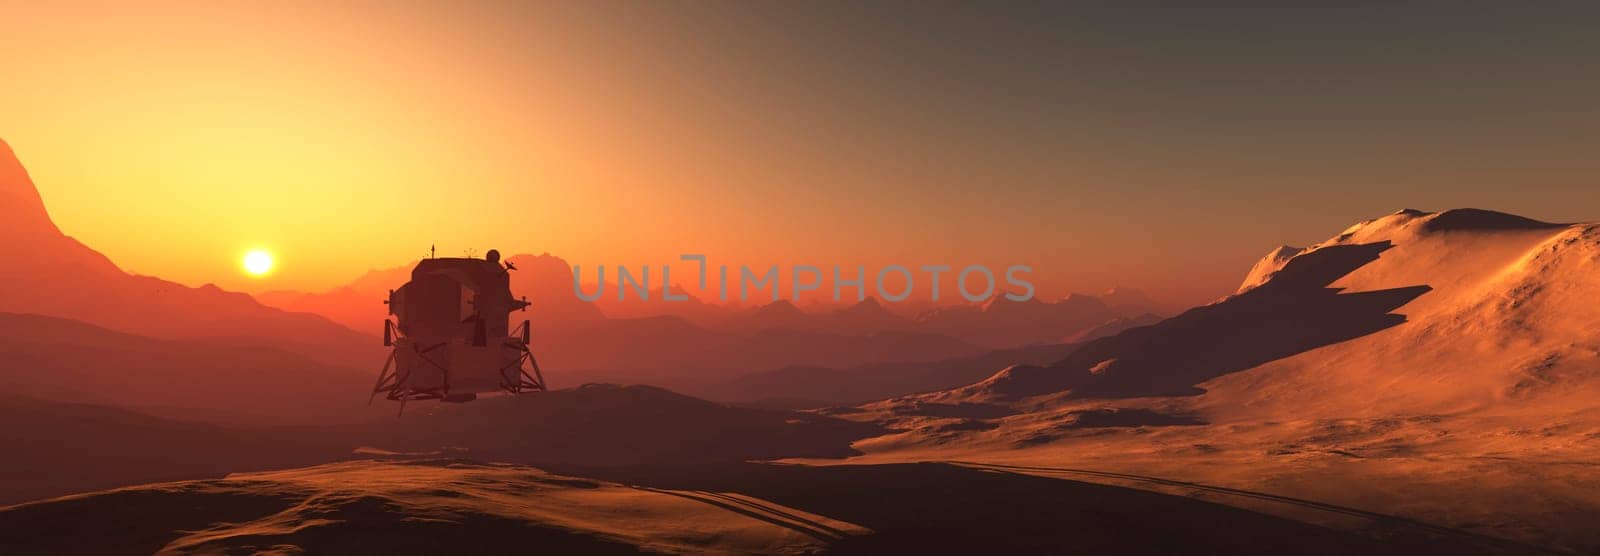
point(1160, 149)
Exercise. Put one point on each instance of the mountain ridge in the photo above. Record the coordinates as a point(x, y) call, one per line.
point(60, 276)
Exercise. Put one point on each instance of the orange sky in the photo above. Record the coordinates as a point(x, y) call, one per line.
point(1100, 148)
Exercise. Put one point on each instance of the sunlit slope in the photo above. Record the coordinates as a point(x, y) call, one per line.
point(1442, 367)
point(414, 508)
point(1412, 312)
point(1511, 325)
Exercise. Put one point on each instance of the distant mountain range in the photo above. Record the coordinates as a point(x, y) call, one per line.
point(692, 336)
point(49, 273)
point(87, 331)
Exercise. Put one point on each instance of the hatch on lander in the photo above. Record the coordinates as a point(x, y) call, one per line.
point(451, 334)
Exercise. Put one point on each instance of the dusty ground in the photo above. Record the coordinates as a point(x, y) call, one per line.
point(1501, 481)
point(443, 506)
point(432, 507)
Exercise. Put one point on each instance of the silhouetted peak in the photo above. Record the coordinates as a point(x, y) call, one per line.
point(542, 257)
point(22, 211)
point(1081, 300)
point(999, 300)
point(542, 263)
point(947, 311)
point(779, 307)
point(867, 306)
point(381, 279)
point(1129, 301)
point(1125, 295)
point(8, 158)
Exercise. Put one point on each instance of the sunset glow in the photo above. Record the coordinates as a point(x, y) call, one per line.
point(733, 277)
point(257, 263)
point(363, 133)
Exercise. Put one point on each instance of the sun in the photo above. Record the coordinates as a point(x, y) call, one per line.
point(257, 263)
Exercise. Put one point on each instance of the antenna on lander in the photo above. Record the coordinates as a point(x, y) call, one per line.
point(432, 249)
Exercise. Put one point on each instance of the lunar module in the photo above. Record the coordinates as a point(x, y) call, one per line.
point(451, 334)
